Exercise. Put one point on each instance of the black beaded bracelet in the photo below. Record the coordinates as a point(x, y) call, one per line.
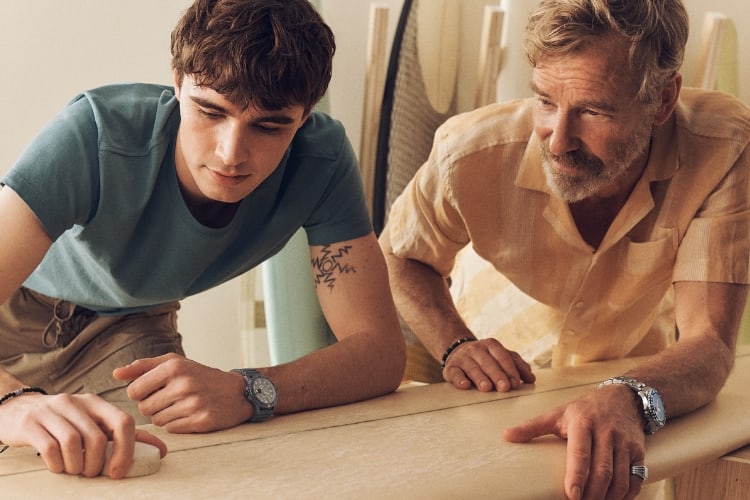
point(452, 347)
point(22, 390)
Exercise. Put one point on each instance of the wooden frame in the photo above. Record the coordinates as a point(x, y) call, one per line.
point(375, 69)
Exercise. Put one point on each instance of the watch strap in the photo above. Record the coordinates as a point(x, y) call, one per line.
point(653, 422)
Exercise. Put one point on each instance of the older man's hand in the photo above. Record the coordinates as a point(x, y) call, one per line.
point(605, 437)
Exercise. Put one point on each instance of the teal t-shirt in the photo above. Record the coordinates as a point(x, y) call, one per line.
point(101, 178)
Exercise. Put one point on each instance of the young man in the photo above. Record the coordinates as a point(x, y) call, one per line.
point(614, 198)
point(136, 196)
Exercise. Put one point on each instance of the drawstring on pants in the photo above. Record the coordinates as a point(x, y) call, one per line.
point(68, 319)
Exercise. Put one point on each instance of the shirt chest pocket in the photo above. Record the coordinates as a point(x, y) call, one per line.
point(650, 263)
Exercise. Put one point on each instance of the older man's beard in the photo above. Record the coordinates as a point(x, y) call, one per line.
point(593, 175)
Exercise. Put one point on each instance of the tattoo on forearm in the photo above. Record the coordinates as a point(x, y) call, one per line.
point(330, 264)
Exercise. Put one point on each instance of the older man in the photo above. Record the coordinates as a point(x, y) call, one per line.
point(615, 198)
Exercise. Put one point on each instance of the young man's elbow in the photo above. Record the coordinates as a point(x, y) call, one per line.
point(393, 364)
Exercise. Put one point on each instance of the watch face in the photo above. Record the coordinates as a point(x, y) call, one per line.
point(658, 407)
point(264, 391)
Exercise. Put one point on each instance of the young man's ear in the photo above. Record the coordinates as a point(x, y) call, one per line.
point(669, 97)
point(177, 82)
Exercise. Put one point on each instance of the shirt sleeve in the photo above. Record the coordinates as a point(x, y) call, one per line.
point(424, 223)
point(341, 213)
point(716, 245)
point(57, 174)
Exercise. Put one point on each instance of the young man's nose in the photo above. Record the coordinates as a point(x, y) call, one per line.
point(232, 146)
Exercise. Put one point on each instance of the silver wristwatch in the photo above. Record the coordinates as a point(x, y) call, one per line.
point(260, 392)
point(650, 402)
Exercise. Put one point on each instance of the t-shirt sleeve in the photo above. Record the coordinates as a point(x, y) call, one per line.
point(341, 213)
point(57, 173)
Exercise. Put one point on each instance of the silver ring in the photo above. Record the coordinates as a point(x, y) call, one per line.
point(640, 471)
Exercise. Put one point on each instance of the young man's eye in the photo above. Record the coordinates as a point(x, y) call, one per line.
point(209, 114)
point(267, 129)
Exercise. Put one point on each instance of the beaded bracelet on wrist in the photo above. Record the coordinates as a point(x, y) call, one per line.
point(452, 347)
point(21, 391)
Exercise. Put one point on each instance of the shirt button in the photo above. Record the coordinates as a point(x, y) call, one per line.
point(579, 304)
point(571, 333)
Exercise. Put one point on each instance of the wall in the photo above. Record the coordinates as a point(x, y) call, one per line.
point(349, 21)
point(737, 11)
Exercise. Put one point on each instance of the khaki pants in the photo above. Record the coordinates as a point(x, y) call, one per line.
point(62, 347)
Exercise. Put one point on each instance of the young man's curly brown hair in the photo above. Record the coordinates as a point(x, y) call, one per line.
point(273, 53)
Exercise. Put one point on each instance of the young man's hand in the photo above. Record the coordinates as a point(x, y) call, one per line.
point(184, 396)
point(71, 431)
